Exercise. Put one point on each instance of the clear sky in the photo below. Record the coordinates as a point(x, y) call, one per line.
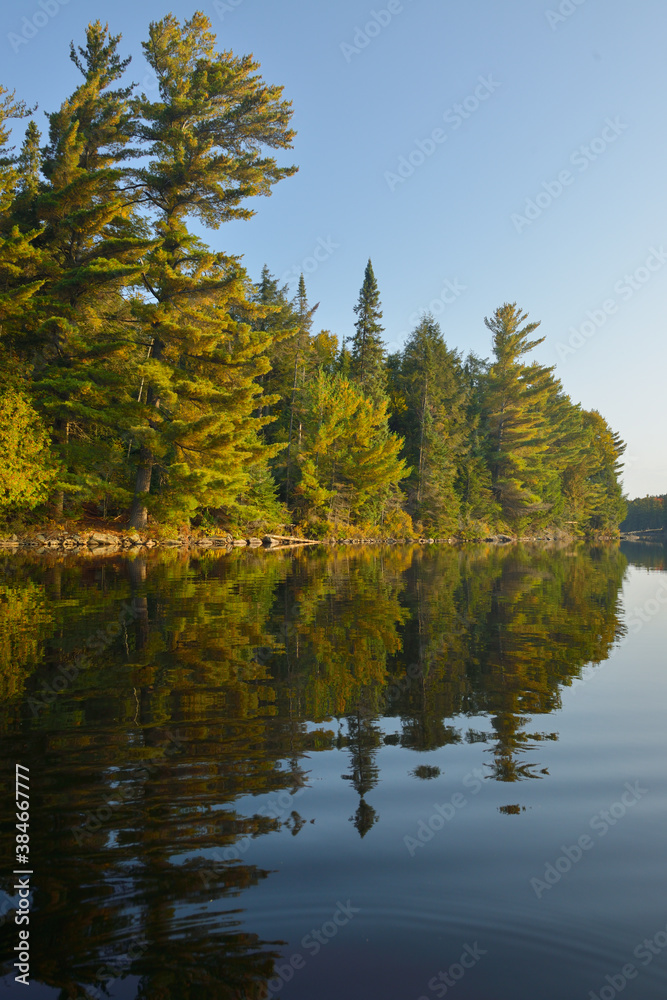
point(478, 152)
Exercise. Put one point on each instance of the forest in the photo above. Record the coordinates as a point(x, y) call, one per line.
point(147, 378)
point(646, 513)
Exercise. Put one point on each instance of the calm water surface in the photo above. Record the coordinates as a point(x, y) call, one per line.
point(396, 773)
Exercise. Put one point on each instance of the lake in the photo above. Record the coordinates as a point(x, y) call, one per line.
point(397, 772)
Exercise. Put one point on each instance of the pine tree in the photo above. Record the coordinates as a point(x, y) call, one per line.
point(20, 261)
point(29, 163)
point(195, 427)
point(300, 348)
point(275, 315)
point(9, 108)
point(473, 484)
point(367, 362)
point(90, 244)
point(433, 422)
point(514, 414)
point(606, 504)
point(344, 360)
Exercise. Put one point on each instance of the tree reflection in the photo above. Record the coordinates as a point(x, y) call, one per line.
point(188, 733)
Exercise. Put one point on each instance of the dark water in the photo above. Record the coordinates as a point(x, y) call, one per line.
point(397, 773)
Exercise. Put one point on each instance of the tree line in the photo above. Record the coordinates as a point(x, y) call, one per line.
point(147, 376)
point(646, 513)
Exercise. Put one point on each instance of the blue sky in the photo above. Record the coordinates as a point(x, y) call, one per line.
point(479, 153)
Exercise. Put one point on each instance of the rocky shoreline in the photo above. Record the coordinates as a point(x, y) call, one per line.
point(112, 542)
point(646, 535)
point(107, 542)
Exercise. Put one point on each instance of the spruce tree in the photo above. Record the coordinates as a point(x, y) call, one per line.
point(300, 348)
point(473, 485)
point(433, 421)
point(367, 361)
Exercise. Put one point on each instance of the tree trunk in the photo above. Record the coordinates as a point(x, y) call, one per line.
point(136, 569)
point(421, 444)
point(142, 486)
point(139, 511)
point(291, 425)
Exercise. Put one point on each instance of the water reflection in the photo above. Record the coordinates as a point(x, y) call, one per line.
point(169, 709)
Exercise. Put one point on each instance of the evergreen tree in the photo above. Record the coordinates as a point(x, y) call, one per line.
point(26, 470)
point(300, 349)
point(275, 315)
point(433, 422)
point(646, 513)
point(167, 381)
point(367, 361)
point(29, 163)
point(20, 262)
point(344, 360)
point(473, 485)
point(350, 463)
point(514, 415)
point(77, 329)
point(195, 429)
point(607, 506)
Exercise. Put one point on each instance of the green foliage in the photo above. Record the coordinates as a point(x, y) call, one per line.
point(367, 354)
point(428, 384)
point(350, 462)
point(171, 387)
point(646, 513)
point(26, 469)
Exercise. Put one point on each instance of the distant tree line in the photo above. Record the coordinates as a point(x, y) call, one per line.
point(646, 512)
point(145, 375)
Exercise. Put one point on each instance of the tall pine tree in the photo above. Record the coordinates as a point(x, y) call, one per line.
point(367, 354)
point(514, 415)
point(196, 427)
point(78, 328)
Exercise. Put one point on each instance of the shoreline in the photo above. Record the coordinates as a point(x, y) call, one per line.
point(98, 543)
